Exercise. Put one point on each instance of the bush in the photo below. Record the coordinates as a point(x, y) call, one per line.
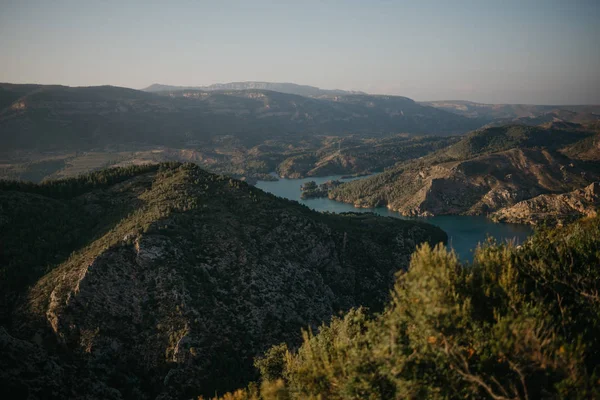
point(520, 323)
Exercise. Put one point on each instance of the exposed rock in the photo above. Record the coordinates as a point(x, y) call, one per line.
point(476, 186)
point(486, 170)
point(48, 117)
point(555, 209)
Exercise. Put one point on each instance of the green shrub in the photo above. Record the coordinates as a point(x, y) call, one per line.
point(519, 323)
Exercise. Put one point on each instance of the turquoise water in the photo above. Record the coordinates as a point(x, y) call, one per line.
point(464, 232)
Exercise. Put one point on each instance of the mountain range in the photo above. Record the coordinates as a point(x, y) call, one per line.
point(50, 118)
point(291, 88)
point(43, 117)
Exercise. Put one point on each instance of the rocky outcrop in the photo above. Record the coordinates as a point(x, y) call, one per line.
point(554, 209)
point(476, 186)
point(486, 170)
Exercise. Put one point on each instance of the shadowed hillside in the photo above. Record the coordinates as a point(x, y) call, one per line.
point(167, 280)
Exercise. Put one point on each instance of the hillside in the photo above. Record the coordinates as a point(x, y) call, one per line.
point(59, 118)
point(518, 323)
point(485, 171)
point(527, 114)
point(166, 280)
point(359, 156)
point(553, 208)
point(488, 111)
point(308, 155)
point(587, 149)
point(495, 139)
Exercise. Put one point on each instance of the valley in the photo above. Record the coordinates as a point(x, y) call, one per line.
point(157, 244)
point(464, 232)
point(292, 157)
point(300, 200)
point(51, 118)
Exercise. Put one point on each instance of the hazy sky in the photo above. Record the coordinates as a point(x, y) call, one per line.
point(526, 51)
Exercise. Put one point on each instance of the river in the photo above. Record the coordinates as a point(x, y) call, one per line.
point(464, 232)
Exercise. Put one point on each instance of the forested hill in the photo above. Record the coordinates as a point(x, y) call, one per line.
point(166, 281)
point(36, 117)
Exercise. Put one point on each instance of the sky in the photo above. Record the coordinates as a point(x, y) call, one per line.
point(492, 51)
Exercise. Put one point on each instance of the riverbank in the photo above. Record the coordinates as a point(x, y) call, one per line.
point(464, 232)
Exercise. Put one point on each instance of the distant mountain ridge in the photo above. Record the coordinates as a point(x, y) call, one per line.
point(283, 87)
point(525, 114)
point(82, 118)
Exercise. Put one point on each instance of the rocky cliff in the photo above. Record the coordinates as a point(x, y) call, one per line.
point(553, 208)
point(477, 186)
point(191, 276)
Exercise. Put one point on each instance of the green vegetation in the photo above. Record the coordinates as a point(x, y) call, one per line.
point(35, 170)
point(71, 187)
point(359, 155)
point(311, 190)
point(519, 323)
point(42, 224)
point(586, 149)
point(495, 139)
point(166, 280)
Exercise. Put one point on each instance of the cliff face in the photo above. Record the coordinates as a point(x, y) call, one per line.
point(201, 274)
point(557, 208)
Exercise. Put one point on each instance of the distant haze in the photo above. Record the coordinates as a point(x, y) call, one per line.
point(527, 51)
